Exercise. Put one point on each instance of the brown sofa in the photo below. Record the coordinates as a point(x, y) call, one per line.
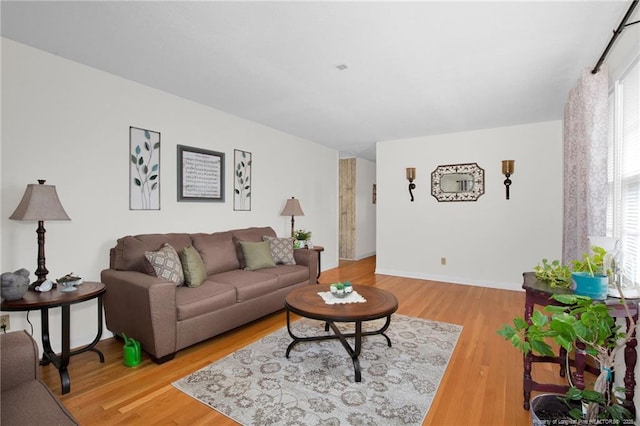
point(25, 399)
point(166, 318)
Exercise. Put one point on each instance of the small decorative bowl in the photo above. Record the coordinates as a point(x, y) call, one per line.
point(340, 292)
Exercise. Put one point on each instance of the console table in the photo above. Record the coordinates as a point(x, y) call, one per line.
point(539, 293)
point(34, 300)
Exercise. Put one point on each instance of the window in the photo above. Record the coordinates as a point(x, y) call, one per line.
point(623, 207)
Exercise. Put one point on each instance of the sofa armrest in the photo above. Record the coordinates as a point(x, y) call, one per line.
point(142, 307)
point(308, 258)
point(19, 359)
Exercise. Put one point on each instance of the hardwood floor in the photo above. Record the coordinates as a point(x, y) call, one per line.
point(482, 384)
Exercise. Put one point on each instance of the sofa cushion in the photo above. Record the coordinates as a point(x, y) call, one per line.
point(207, 297)
point(194, 270)
point(254, 234)
point(248, 284)
point(128, 254)
point(217, 250)
point(289, 275)
point(166, 264)
point(281, 250)
point(257, 255)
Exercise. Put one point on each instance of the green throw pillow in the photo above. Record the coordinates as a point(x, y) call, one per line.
point(257, 255)
point(193, 266)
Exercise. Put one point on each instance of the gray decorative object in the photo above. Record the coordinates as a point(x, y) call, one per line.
point(242, 180)
point(144, 170)
point(14, 285)
point(257, 385)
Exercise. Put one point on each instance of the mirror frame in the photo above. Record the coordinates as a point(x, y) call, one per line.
point(473, 169)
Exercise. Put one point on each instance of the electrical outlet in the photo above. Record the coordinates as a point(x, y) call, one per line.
point(4, 322)
point(443, 260)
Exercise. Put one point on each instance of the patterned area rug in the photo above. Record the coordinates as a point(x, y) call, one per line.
point(257, 385)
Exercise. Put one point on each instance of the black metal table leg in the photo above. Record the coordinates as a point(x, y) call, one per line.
point(354, 352)
point(61, 362)
point(66, 350)
point(91, 346)
point(46, 340)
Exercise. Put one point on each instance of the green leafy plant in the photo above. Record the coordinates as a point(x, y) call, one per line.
point(556, 274)
point(559, 275)
point(594, 264)
point(580, 320)
point(301, 234)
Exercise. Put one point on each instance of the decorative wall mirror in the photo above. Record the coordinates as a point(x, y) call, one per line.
point(457, 182)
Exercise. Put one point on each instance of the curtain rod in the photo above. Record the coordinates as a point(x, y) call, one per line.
point(616, 33)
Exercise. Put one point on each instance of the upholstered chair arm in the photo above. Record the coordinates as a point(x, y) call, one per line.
point(19, 358)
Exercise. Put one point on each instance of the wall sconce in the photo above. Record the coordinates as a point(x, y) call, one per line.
point(411, 175)
point(508, 167)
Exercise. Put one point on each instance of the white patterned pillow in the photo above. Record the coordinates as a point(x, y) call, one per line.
point(281, 250)
point(166, 263)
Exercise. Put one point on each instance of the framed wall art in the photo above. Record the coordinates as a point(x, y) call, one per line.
point(200, 174)
point(242, 180)
point(144, 169)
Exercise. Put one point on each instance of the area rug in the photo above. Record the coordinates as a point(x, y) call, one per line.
point(257, 385)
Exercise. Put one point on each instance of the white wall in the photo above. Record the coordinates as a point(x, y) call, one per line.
point(490, 242)
point(365, 209)
point(69, 124)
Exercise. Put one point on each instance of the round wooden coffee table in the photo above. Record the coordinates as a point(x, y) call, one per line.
point(306, 302)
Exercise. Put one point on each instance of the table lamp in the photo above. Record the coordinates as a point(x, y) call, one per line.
point(40, 202)
point(292, 208)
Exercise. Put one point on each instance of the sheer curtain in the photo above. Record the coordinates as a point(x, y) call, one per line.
point(585, 163)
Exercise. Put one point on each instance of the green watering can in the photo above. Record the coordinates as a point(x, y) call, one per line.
point(132, 351)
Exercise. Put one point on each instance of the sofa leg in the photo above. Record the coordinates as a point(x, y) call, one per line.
point(164, 359)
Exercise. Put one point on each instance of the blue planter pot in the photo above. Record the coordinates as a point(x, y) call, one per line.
point(595, 287)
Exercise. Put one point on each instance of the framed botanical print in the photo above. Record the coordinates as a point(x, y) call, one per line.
point(144, 169)
point(242, 180)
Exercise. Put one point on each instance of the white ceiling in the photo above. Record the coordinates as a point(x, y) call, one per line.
point(413, 68)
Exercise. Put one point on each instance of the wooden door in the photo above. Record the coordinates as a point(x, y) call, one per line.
point(347, 208)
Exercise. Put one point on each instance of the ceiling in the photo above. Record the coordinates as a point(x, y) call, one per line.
point(412, 68)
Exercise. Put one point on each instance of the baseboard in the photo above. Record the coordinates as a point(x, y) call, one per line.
point(363, 256)
point(517, 286)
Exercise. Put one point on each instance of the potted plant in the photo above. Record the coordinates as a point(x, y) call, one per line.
point(302, 237)
point(588, 322)
point(591, 273)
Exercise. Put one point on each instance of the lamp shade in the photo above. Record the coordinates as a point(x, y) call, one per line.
point(292, 208)
point(40, 202)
